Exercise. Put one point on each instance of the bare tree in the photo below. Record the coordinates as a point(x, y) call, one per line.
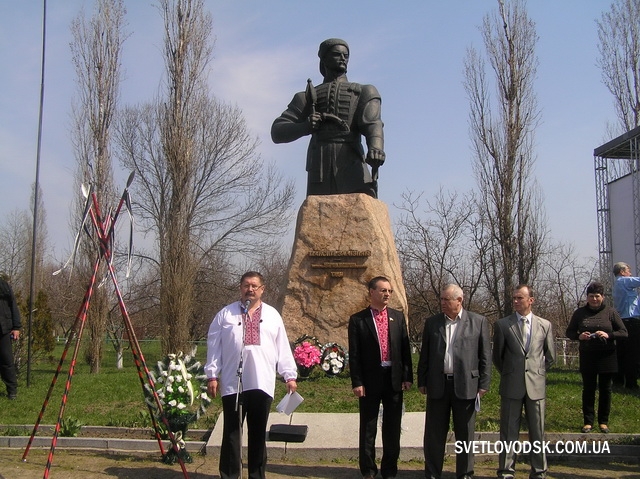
point(562, 284)
point(436, 247)
point(619, 60)
point(140, 293)
point(14, 266)
point(40, 246)
point(273, 264)
point(14, 249)
point(201, 188)
point(502, 128)
point(15, 263)
point(96, 49)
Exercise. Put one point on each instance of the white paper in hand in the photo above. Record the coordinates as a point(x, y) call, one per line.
point(289, 403)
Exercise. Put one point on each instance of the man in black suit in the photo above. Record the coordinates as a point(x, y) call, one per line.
point(9, 331)
point(381, 369)
point(454, 369)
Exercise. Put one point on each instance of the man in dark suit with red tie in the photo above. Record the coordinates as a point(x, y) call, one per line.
point(381, 369)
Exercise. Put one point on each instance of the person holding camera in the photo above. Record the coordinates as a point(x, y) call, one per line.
point(596, 326)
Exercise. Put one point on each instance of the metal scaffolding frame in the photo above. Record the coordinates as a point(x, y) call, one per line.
point(616, 159)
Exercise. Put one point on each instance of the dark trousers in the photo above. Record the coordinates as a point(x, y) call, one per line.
point(255, 409)
point(628, 351)
point(436, 429)
point(369, 406)
point(591, 381)
point(7, 366)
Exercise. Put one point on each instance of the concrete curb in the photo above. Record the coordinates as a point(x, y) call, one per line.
point(330, 437)
point(103, 443)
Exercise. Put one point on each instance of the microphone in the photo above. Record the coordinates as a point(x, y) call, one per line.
point(245, 309)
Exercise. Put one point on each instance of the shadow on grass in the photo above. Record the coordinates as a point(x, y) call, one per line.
point(85, 465)
point(273, 471)
point(627, 471)
point(564, 381)
point(160, 472)
point(484, 470)
point(338, 471)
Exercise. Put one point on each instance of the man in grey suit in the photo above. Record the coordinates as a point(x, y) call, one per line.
point(523, 350)
point(454, 368)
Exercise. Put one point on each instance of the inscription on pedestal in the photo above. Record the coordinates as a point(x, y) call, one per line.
point(333, 229)
point(335, 259)
point(328, 252)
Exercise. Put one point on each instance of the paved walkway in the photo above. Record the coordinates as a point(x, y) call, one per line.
point(335, 436)
point(330, 437)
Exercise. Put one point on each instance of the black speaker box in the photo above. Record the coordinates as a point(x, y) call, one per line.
point(288, 432)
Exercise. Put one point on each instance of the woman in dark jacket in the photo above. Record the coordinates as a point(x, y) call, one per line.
point(596, 326)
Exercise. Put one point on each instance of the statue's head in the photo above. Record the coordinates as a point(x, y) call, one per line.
point(329, 46)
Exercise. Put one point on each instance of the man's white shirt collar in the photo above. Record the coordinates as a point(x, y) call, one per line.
point(458, 316)
point(528, 316)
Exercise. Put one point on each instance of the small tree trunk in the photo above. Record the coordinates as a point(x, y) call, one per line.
point(119, 357)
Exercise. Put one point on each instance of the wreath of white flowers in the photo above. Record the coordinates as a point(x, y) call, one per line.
point(333, 359)
point(183, 387)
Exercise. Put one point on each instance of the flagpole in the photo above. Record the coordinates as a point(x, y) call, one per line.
point(36, 195)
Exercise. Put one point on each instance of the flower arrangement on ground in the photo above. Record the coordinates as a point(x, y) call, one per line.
point(183, 394)
point(306, 353)
point(333, 359)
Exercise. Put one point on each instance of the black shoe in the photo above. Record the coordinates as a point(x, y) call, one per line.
point(13, 397)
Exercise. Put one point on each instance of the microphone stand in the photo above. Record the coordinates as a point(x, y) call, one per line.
point(244, 311)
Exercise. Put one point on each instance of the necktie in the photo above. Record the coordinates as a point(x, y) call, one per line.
point(382, 325)
point(525, 333)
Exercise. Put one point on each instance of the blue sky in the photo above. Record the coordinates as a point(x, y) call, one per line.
point(413, 52)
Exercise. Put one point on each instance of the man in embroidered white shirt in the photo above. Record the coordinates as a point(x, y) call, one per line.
point(252, 332)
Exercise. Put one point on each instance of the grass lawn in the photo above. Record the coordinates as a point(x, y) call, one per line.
point(114, 397)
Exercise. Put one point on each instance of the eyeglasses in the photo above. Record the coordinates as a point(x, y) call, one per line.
point(252, 287)
point(385, 290)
